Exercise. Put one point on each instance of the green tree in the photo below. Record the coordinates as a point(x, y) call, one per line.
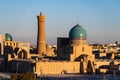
point(23, 76)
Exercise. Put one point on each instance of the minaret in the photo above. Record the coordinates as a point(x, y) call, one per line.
point(41, 41)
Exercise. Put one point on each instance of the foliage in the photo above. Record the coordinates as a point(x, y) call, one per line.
point(23, 76)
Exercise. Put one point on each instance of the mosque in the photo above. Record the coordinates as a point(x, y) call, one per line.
point(73, 54)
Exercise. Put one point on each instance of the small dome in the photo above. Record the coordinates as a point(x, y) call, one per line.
point(8, 37)
point(77, 32)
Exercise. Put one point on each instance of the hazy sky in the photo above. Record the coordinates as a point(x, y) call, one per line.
point(100, 18)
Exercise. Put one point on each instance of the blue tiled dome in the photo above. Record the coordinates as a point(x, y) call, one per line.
point(77, 32)
point(8, 37)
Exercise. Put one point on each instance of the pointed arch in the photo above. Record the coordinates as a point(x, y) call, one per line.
point(22, 54)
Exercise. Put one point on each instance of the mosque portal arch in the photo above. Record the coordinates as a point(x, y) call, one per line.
point(22, 54)
point(82, 57)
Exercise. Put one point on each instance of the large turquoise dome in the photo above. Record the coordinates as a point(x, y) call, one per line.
point(78, 32)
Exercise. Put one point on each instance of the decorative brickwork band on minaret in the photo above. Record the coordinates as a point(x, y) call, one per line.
point(41, 39)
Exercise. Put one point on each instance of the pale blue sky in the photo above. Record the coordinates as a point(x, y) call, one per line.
point(100, 18)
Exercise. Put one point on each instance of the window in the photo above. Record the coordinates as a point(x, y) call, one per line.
point(82, 48)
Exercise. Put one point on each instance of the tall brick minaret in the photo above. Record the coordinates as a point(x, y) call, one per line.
point(41, 39)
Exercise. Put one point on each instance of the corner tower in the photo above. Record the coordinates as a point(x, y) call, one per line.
point(41, 39)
